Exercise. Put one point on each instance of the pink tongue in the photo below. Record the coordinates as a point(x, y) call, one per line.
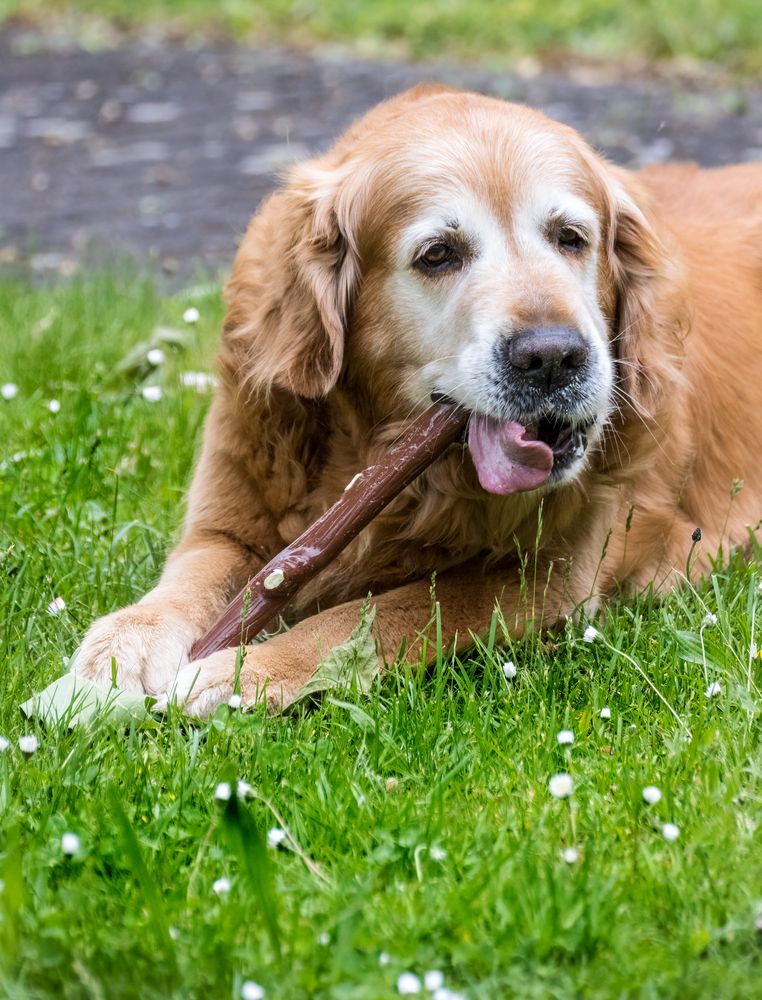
point(505, 461)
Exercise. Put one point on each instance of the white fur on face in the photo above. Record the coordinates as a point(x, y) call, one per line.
point(453, 322)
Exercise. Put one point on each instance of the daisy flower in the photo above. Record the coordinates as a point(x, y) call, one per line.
point(252, 991)
point(28, 744)
point(275, 837)
point(561, 786)
point(433, 980)
point(408, 984)
point(670, 832)
point(70, 844)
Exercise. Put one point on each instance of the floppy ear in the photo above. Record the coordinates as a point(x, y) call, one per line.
point(647, 308)
point(291, 288)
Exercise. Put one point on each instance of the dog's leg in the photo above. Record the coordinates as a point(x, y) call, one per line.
point(149, 641)
point(228, 537)
point(283, 664)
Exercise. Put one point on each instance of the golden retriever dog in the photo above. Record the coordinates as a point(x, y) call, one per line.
point(603, 327)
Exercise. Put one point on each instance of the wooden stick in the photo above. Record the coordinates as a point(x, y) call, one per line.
point(270, 590)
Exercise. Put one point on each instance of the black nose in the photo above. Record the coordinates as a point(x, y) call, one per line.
point(546, 357)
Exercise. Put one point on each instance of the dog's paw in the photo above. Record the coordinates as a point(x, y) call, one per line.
point(202, 686)
point(146, 644)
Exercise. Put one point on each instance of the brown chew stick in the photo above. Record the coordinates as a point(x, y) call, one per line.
point(365, 497)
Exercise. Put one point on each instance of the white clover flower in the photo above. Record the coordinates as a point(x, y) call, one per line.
point(605, 712)
point(156, 357)
point(221, 886)
point(561, 786)
point(223, 791)
point(56, 606)
point(70, 844)
point(191, 315)
point(433, 980)
point(152, 393)
point(174, 933)
point(408, 984)
point(651, 795)
point(565, 737)
point(670, 832)
point(713, 690)
point(710, 619)
point(4, 744)
point(590, 634)
point(243, 789)
point(391, 784)
point(9, 390)
point(324, 938)
point(252, 991)
point(54, 406)
point(753, 651)
point(437, 853)
point(275, 837)
point(234, 701)
point(28, 744)
point(509, 670)
point(384, 958)
point(570, 855)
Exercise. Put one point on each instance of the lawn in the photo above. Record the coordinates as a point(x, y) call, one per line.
point(421, 832)
point(728, 32)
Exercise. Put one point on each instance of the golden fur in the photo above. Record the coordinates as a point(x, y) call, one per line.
point(318, 377)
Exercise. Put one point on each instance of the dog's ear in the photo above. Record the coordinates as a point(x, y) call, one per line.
point(647, 324)
point(291, 288)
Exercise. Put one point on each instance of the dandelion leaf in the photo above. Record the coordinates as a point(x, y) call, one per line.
point(354, 662)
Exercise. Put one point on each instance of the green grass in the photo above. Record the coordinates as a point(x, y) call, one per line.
point(728, 32)
point(455, 759)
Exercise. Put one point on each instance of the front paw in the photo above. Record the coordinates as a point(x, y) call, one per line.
point(202, 686)
point(146, 644)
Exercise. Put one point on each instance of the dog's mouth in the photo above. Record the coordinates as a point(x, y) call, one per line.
point(512, 457)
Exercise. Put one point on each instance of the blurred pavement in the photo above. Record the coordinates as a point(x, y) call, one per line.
point(165, 153)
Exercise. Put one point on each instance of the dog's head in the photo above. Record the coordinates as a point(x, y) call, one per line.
point(457, 245)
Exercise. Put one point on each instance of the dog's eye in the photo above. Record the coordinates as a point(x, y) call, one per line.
point(570, 239)
point(437, 257)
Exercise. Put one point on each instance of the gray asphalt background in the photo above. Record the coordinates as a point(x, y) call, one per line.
point(164, 153)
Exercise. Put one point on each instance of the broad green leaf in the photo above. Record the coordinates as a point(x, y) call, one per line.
point(135, 363)
point(78, 701)
point(354, 662)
